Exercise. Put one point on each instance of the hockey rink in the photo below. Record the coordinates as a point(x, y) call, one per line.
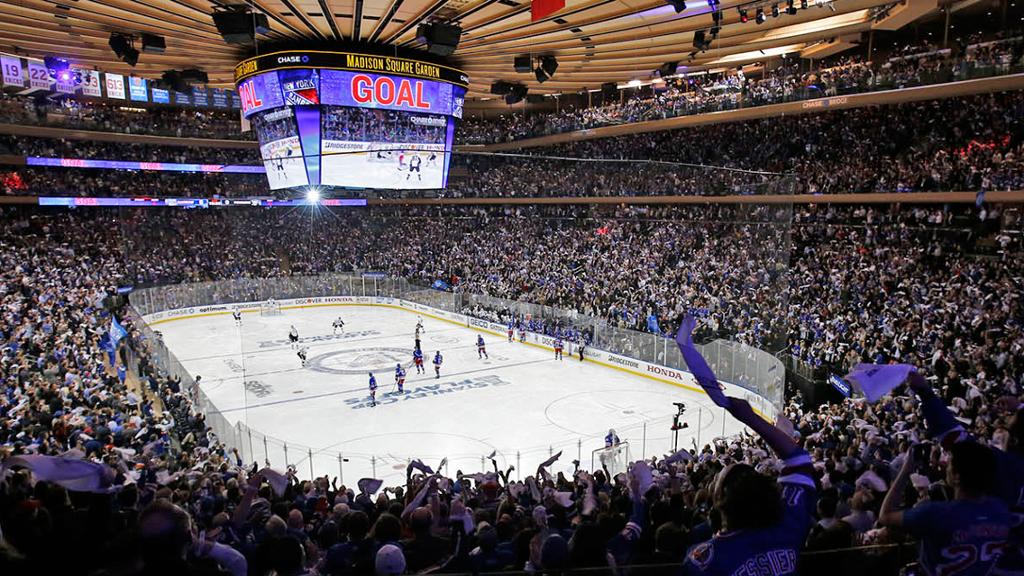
point(521, 403)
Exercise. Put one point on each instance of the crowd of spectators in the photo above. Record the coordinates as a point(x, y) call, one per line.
point(913, 65)
point(110, 116)
point(969, 144)
point(961, 144)
point(897, 283)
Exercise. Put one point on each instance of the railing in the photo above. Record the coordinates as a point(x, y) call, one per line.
point(748, 367)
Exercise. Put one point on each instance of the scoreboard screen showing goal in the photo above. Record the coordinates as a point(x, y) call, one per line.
point(351, 120)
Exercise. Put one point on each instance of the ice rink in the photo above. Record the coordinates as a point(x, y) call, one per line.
point(521, 403)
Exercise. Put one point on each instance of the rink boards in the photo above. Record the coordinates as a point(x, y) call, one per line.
point(519, 403)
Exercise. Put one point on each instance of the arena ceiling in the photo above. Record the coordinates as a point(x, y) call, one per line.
point(595, 41)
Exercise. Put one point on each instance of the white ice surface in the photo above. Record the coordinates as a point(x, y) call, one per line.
point(522, 402)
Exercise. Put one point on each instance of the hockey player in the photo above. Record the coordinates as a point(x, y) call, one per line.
point(481, 348)
point(583, 344)
point(419, 325)
point(339, 324)
point(437, 364)
point(522, 334)
point(558, 348)
point(373, 390)
point(417, 359)
point(237, 315)
point(302, 353)
point(414, 166)
point(400, 378)
point(612, 439)
point(293, 337)
point(511, 330)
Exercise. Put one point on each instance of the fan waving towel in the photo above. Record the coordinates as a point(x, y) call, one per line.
point(877, 380)
point(697, 365)
point(73, 474)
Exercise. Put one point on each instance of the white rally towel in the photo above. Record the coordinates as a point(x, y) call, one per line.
point(877, 380)
point(278, 481)
point(73, 474)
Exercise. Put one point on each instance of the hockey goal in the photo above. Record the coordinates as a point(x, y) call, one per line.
point(270, 308)
point(614, 458)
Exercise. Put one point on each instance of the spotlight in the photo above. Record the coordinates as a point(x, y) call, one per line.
point(312, 194)
point(791, 7)
point(122, 46)
point(775, 10)
point(713, 3)
point(759, 17)
point(744, 17)
point(56, 66)
point(679, 5)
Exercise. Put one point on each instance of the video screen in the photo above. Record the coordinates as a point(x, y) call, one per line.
point(352, 129)
point(376, 148)
point(280, 148)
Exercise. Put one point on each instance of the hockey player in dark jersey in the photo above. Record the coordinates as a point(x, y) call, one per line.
point(400, 378)
point(438, 360)
point(481, 348)
point(558, 348)
point(373, 390)
point(417, 359)
point(511, 330)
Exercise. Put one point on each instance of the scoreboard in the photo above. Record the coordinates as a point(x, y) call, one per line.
point(351, 120)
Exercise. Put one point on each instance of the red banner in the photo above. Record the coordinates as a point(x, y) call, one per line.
point(542, 8)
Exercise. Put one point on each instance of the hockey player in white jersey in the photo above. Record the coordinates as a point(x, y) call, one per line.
point(339, 325)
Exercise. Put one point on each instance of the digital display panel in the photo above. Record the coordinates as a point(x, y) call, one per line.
point(356, 121)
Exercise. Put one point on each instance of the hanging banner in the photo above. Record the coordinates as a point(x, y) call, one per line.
point(91, 83)
point(137, 89)
point(39, 76)
point(220, 98)
point(161, 96)
point(115, 86)
point(199, 96)
point(13, 75)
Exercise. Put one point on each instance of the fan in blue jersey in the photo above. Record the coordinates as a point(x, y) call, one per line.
point(417, 359)
point(481, 349)
point(999, 474)
point(373, 390)
point(764, 522)
point(437, 364)
point(400, 378)
point(965, 536)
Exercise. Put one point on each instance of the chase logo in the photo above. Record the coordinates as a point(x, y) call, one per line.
point(292, 59)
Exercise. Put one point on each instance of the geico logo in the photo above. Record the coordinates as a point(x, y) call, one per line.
point(479, 323)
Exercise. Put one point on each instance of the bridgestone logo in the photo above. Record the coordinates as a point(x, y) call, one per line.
point(624, 362)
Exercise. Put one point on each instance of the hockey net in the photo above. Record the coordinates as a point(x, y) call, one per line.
point(614, 458)
point(270, 308)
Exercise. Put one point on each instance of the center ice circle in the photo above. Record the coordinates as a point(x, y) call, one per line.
point(360, 360)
